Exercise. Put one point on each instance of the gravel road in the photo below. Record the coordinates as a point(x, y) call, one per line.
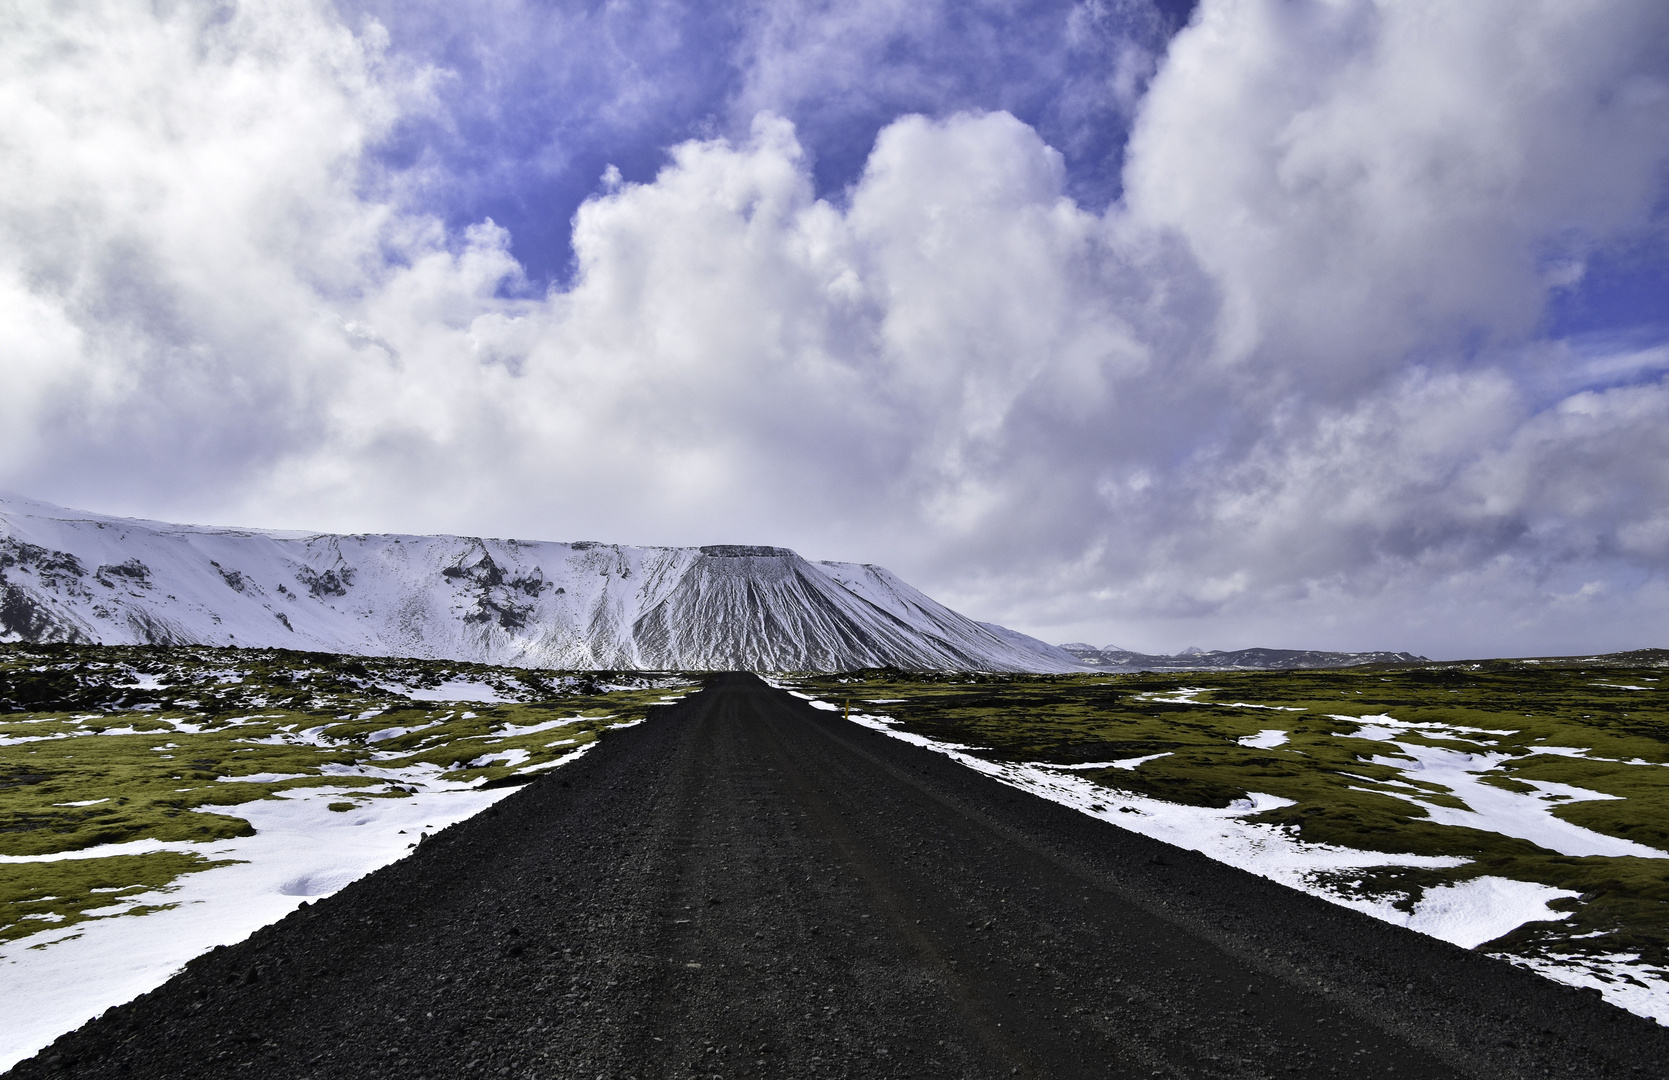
point(744, 886)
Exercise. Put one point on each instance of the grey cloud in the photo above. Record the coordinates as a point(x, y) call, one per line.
point(1290, 392)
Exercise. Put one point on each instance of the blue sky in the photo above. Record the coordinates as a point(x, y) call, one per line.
point(539, 99)
point(1306, 323)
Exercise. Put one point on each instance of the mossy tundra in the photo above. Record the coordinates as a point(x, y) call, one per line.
point(1600, 724)
point(111, 745)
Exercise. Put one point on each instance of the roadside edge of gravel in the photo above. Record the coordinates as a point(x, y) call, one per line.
point(304, 936)
point(1483, 1015)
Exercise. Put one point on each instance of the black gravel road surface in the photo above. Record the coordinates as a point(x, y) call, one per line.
point(745, 886)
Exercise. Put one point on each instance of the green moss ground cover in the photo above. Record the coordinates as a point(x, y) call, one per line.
point(1607, 720)
point(111, 745)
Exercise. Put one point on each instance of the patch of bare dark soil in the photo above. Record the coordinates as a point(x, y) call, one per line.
point(745, 886)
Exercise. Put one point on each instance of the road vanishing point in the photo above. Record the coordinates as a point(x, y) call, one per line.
point(746, 886)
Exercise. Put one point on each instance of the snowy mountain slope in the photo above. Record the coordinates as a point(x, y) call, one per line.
point(1030, 644)
point(72, 576)
point(884, 589)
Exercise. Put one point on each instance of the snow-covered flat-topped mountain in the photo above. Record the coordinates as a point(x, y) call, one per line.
point(80, 577)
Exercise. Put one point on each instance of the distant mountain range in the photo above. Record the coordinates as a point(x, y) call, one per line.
point(1113, 658)
point(78, 577)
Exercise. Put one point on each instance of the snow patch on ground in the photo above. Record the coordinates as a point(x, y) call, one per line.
point(455, 690)
point(1182, 695)
point(102, 851)
point(18, 740)
point(1469, 913)
point(508, 731)
point(388, 733)
point(513, 756)
point(563, 760)
point(1128, 763)
point(1267, 739)
point(56, 979)
point(1510, 813)
point(301, 850)
point(1620, 978)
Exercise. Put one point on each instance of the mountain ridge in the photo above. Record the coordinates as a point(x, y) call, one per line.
point(1112, 658)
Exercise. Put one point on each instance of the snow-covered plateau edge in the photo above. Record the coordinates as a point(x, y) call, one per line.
point(1467, 914)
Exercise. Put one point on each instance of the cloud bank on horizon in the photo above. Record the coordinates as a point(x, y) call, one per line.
point(1335, 324)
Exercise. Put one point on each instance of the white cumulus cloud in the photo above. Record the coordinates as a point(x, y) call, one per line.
point(1291, 390)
